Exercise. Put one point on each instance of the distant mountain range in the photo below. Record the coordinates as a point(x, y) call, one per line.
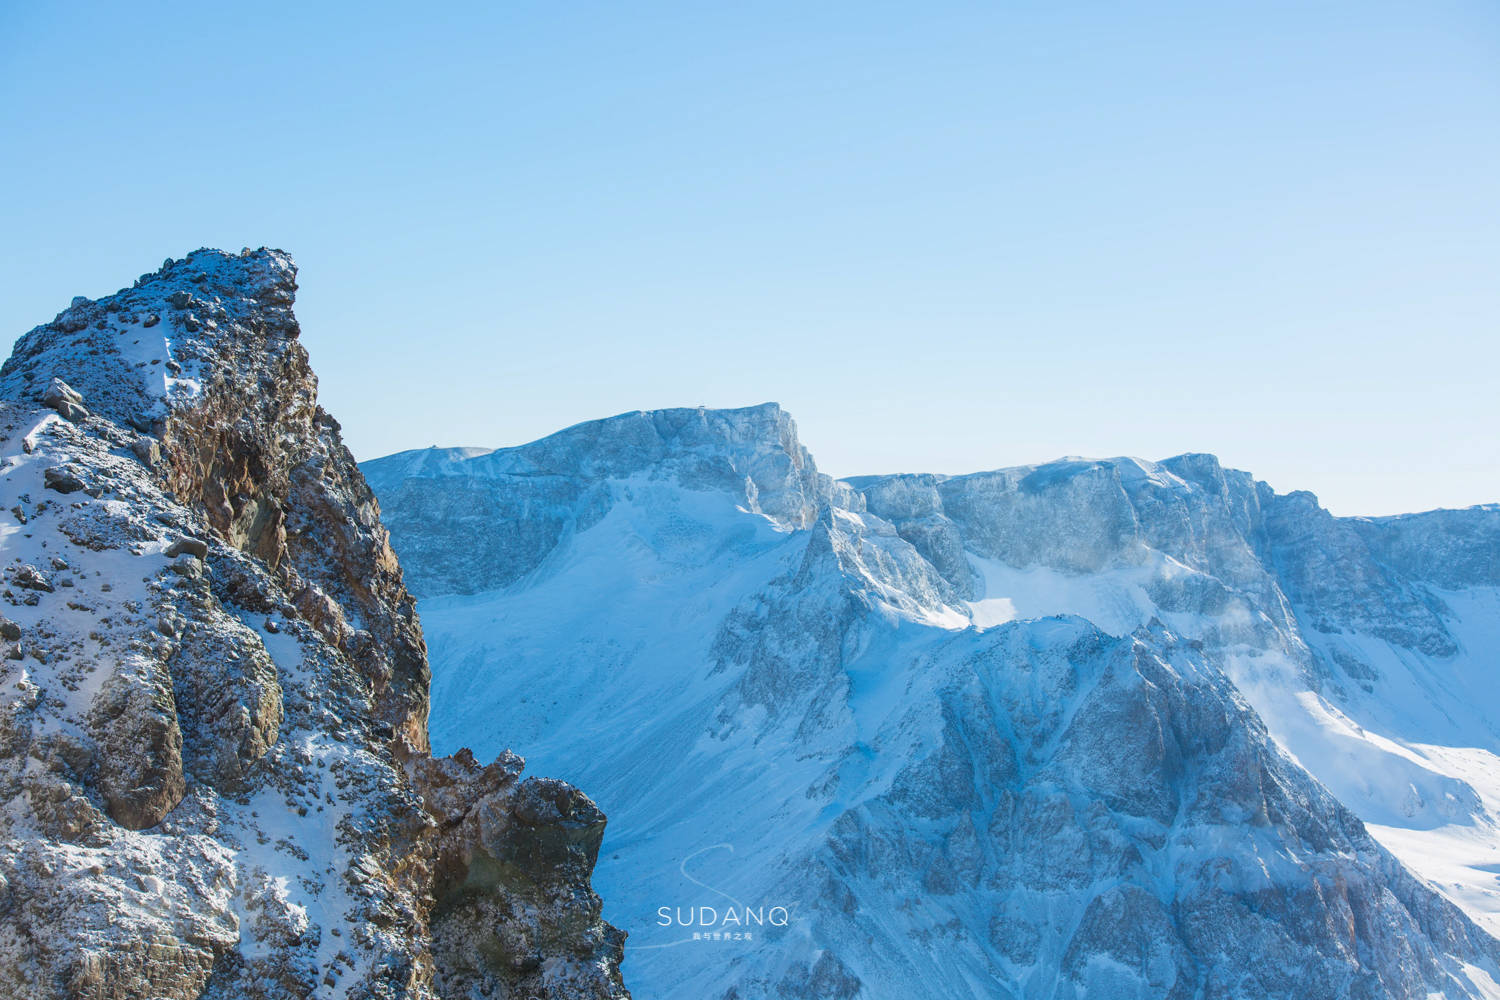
point(1106, 728)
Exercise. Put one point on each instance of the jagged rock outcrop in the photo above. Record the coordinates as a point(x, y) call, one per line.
point(213, 699)
point(511, 883)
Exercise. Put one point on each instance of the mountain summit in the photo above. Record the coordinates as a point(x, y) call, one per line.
point(563, 484)
point(214, 691)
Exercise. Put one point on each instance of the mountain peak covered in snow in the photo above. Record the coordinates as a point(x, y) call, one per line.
point(1086, 728)
point(179, 334)
point(751, 452)
point(520, 502)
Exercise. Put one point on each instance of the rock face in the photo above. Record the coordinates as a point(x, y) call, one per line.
point(213, 703)
point(1094, 728)
point(560, 485)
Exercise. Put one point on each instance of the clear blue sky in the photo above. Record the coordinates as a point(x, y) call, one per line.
point(945, 236)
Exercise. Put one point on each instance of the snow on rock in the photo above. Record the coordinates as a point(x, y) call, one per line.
point(1367, 645)
point(1093, 728)
point(214, 759)
point(558, 486)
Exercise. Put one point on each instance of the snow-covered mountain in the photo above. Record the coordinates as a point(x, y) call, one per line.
point(1105, 728)
point(215, 779)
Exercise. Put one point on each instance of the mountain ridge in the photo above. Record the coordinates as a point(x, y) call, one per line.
point(826, 693)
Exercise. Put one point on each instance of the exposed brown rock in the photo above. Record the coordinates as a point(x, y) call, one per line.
point(214, 766)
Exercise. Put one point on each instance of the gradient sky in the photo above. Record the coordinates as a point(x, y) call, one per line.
point(945, 236)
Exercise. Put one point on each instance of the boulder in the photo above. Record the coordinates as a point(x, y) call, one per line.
point(28, 577)
point(195, 547)
point(62, 481)
point(65, 400)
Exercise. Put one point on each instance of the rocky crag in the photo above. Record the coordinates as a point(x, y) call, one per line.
point(214, 757)
point(1087, 729)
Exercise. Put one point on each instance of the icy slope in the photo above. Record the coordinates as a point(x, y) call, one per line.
point(214, 769)
point(1369, 647)
point(516, 505)
point(978, 737)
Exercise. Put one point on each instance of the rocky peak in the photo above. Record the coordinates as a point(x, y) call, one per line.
point(202, 359)
point(751, 453)
point(1082, 516)
point(163, 341)
point(215, 687)
point(518, 505)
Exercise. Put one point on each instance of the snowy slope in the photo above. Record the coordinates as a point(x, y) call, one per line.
point(1369, 647)
point(986, 736)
